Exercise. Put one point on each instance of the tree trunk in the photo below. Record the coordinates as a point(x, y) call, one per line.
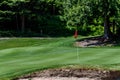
point(53, 7)
point(17, 22)
point(107, 32)
point(22, 23)
point(113, 27)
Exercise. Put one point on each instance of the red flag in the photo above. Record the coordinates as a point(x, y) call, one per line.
point(76, 34)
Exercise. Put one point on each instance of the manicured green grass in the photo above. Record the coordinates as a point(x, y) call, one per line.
point(21, 56)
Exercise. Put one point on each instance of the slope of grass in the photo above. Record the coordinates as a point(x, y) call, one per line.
point(23, 42)
point(21, 56)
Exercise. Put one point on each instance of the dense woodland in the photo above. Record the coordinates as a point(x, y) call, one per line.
point(59, 17)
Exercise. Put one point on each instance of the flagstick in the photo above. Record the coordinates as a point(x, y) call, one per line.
point(78, 58)
point(75, 36)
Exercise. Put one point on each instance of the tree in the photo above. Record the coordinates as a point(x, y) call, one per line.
point(25, 17)
point(6, 13)
point(21, 8)
point(109, 9)
point(10, 9)
point(84, 12)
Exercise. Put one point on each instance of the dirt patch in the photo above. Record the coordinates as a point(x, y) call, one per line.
point(72, 74)
point(95, 42)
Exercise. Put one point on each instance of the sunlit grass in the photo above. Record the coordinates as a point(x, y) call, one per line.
point(21, 56)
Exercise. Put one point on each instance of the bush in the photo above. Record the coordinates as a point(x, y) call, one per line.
point(96, 30)
point(6, 34)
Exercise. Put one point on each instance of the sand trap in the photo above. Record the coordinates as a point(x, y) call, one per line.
point(58, 78)
point(72, 74)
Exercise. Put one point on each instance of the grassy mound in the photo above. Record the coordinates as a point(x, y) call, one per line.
point(21, 56)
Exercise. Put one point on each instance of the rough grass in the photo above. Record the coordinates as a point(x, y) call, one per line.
point(21, 56)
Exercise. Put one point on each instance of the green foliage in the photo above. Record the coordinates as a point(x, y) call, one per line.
point(96, 30)
point(76, 13)
point(52, 16)
point(6, 34)
point(82, 13)
point(37, 18)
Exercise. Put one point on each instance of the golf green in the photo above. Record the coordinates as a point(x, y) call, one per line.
point(23, 55)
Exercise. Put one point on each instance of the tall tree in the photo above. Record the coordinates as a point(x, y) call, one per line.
point(84, 12)
point(6, 13)
point(22, 9)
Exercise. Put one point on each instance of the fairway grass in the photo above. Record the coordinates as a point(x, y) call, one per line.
point(21, 56)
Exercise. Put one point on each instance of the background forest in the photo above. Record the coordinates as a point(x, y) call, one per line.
point(59, 17)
